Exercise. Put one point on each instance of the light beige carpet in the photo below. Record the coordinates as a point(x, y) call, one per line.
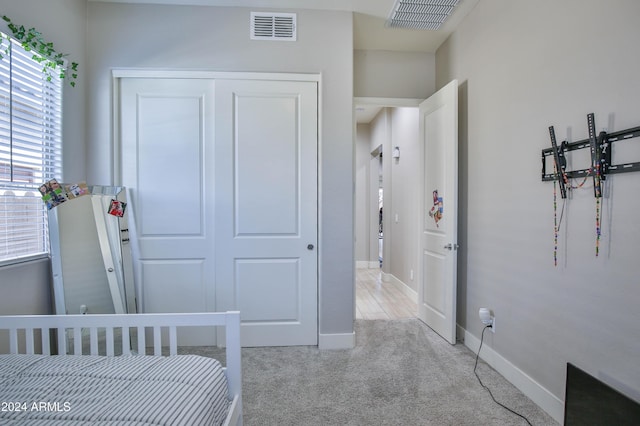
point(399, 373)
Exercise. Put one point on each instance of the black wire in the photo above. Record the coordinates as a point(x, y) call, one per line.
point(489, 390)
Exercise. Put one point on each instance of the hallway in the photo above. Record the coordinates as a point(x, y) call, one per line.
point(382, 300)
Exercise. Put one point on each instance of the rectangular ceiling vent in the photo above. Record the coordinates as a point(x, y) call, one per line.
point(273, 26)
point(420, 14)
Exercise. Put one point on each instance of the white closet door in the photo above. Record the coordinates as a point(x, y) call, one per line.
point(167, 164)
point(223, 182)
point(266, 204)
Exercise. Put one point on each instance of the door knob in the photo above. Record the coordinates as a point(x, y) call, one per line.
point(451, 246)
point(310, 247)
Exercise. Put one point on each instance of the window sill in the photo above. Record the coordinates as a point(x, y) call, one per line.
point(21, 260)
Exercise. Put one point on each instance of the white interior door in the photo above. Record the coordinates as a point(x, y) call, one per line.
point(266, 209)
point(167, 165)
point(438, 245)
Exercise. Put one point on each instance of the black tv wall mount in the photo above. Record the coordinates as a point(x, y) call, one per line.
point(600, 146)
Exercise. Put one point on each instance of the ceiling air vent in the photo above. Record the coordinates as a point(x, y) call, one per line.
point(273, 26)
point(420, 14)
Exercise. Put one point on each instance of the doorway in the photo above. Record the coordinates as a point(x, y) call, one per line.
point(388, 266)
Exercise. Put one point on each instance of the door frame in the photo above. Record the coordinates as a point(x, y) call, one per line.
point(117, 74)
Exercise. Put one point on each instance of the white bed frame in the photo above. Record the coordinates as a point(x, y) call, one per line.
point(156, 322)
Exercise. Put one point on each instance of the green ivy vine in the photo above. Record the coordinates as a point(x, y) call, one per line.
point(53, 62)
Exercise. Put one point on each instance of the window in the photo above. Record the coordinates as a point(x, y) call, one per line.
point(30, 151)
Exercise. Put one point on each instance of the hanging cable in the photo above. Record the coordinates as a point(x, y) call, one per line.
point(489, 390)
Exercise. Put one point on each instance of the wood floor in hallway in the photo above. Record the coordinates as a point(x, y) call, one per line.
point(376, 299)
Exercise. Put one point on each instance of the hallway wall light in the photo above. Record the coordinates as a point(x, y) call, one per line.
point(396, 153)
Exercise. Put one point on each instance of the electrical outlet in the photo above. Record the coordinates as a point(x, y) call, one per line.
point(487, 319)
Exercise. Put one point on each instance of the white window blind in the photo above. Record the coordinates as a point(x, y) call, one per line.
point(30, 151)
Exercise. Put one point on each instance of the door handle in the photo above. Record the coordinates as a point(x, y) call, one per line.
point(451, 246)
point(310, 247)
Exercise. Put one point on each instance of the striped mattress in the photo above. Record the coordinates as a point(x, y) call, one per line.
point(124, 390)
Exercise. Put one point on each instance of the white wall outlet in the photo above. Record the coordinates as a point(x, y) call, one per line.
point(487, 319)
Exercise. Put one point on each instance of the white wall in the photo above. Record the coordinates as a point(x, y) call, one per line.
point(405, 186)
point(522, 67)
point(216, 38)
point(25, 290)
point(380, 137)
point(361, 194)
point(387, 74)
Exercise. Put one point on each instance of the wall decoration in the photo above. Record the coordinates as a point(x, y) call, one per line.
point(76, 190)
point(52, 193)
point(53, 62)
point(437, 209)
point(116, 208)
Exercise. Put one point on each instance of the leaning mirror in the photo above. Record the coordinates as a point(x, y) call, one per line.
point(90, 253)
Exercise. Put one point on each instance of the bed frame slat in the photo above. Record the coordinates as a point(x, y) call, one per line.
point(157, 340)
point(29, 340)
point(141, 341)
point(173, 341)
point(125, 341)
point(93, 333)
point(77, 341)
point(13, 340)
point(110, 350)
point(44, 338)
point(62, 341)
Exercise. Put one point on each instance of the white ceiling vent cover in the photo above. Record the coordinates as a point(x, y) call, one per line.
point(420, 14)
point(273, 26)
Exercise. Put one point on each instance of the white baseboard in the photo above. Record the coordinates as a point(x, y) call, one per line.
point(337, 341)
point(532, 389)
point(367, 264)
point(390, 278)
point(405, 288)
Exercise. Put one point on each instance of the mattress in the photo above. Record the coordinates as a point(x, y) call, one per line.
point(124, 390)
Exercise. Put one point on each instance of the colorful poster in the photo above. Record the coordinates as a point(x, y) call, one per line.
point(437, 209)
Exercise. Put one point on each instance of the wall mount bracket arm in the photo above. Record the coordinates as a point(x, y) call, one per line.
point(559, 160)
